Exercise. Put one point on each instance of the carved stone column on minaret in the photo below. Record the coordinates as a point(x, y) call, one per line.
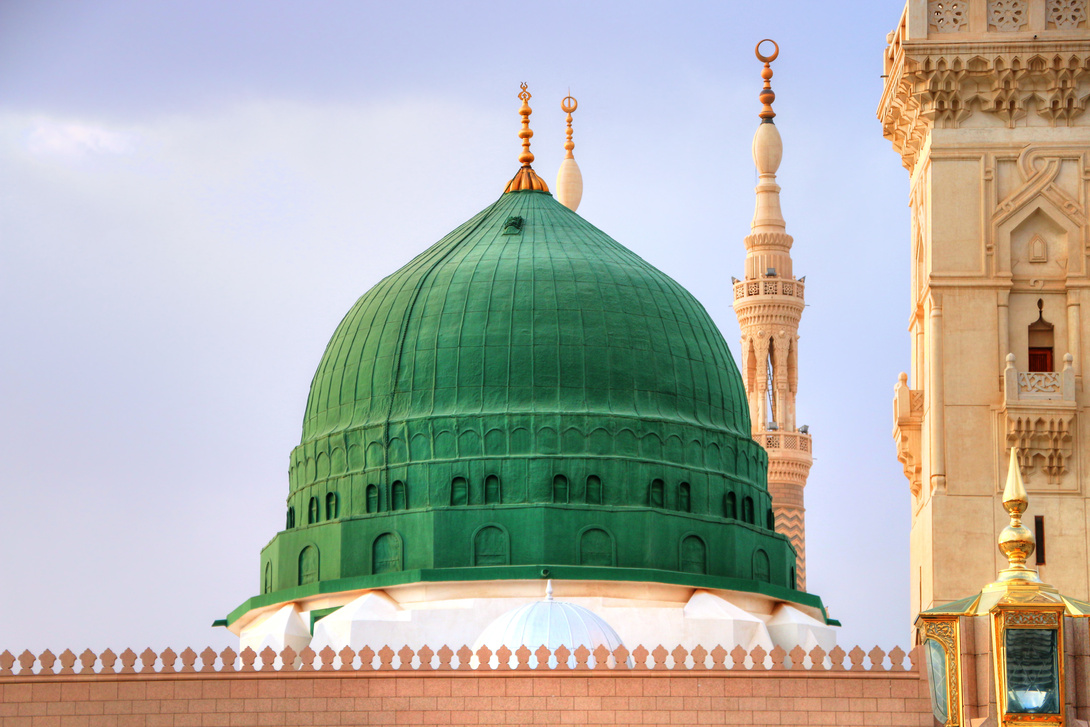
point(769, 303)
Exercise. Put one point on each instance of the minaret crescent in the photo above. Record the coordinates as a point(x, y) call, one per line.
point(769, 302)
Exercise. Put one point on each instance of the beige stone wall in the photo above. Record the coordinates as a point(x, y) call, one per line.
point(987, 110)
point(856, 696)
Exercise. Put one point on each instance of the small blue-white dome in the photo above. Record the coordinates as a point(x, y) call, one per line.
point(549, 623)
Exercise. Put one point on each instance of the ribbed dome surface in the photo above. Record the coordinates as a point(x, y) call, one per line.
point(550, 316)
point(527, 392)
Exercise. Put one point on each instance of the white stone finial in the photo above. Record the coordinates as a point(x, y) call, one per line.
point(549, 590)
point(767, 154)
point(569, 180)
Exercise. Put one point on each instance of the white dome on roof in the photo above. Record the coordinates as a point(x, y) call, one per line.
point(549, 623)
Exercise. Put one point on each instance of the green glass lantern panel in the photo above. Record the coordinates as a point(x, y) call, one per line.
point(936, 677)
point(1033, 680)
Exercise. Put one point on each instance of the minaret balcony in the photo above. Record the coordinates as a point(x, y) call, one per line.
point(786, 442)
point(1040, 414)
point(768, 287)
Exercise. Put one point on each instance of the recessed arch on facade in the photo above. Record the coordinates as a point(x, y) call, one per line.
point(693, 555)
point(596, 546)
point(491, 545)
point(386, 554)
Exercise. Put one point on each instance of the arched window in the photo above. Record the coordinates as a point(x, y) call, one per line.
point(399, 495)
point(332, 506)
point(386, 554)
point(730, 506)
point(560, 489)
point(492, 493)
point(693, 555)
point(596, 547)
point(312, 511)
point(372, 498)
point(459, 492)
point(657, 497)
point(490, 546)
point(308, 565)
point(291, 518)
point(761, 567)
point(594, 490)
point(1041, 334)
point(770, 519)
point(684, 502)
point(747, 511)
point(267, 585)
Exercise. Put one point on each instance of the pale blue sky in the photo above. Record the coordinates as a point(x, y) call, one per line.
point(192, 195)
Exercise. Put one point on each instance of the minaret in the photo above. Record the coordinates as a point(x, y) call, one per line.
point(769, 304)
point(569, 180)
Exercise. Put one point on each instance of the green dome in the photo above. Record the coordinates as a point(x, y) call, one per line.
point(527, 394)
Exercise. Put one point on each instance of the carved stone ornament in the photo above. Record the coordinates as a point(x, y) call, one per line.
point(948, 16)
point(1007, 15)
point(1032, 618)
point(1066, 13)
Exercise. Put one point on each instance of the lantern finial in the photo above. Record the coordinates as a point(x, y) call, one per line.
point(1016, 541)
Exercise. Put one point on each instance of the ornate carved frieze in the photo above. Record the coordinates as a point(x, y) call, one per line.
point(933, 86)
point(1039, 412)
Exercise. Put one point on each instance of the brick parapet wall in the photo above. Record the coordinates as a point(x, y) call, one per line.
point(469, 697)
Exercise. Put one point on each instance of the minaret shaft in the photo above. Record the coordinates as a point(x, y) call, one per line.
point(769, 303)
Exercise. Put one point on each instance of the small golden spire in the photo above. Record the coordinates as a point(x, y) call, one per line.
point(1016, 541)
point(767, 96)
point(568, 105)
point(526, 178)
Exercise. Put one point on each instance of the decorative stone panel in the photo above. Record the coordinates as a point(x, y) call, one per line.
point(1066, 14)
point(948, 16)
point(1007, 15)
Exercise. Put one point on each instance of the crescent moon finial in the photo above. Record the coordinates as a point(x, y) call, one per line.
point(767, 95)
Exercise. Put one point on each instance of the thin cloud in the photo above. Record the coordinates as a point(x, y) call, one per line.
point(77, 139)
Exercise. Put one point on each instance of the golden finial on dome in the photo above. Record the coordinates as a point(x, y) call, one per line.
point(569, 180)
point(526, 178)
point(1016, 541)
point(767, 96)
point(568, 105)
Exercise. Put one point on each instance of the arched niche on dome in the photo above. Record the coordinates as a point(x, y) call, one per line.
point(355, 457)
point(445, 447)
point(651, 447)
point(561, 489)
point(712, 458)
point(399, 496)
point(309, 565)
point(491, 546)
point(397, 452)
point(493, 492)
point(520, 440)
point(459, 492)
point(548, 442)
point(596, 547)
point(338, 462)
point(693, 555)
point(267, 583)
point(594, 493)
point(748, 514)
point(332, 506)
point(572, 441)
point(694, 454)
point(386, 554)
point(684, 497)
point(420, 447)
point(372, 502)
point(730, 506)
point(656, 495)
point(625, 443)
point(314, 513)
point(495, 442)
point(762, 568)
point(322, 466)
point(599, 442)
point(376, 455)
point(469, 444)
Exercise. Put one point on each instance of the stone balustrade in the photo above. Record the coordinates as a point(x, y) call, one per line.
point(784, 440)
point(768, 286)
point(108, 663)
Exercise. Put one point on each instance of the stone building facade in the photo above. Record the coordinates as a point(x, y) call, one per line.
point(984, 101)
